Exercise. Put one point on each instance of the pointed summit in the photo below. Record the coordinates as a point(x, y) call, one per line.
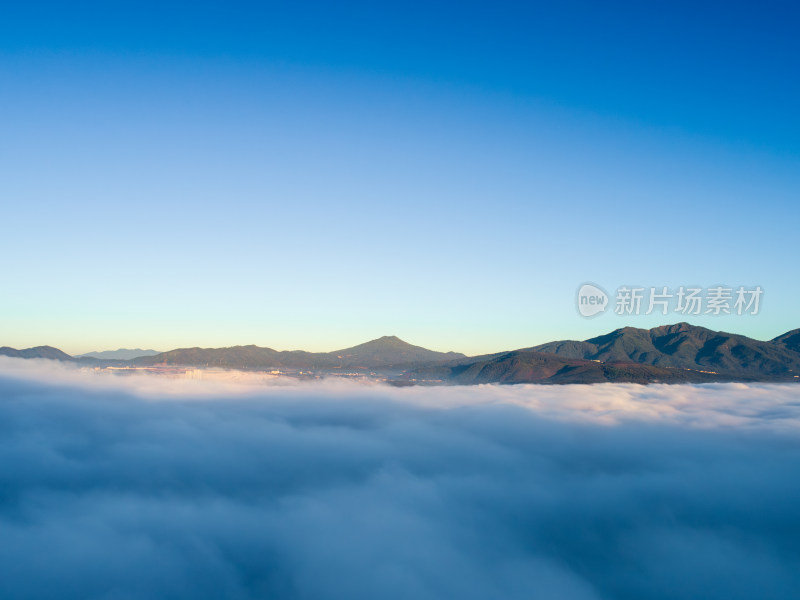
point(390, 349)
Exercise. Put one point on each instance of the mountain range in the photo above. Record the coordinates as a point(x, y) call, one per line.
point(670, 354)
point(388, 352)
point(680, 353)
point(121, 354)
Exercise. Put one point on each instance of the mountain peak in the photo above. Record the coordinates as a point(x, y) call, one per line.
point(681, 327)
point(384, 342)
point(391, 349)
point(389, 338)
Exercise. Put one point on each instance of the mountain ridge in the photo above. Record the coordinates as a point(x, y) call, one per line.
point(119, 354)
point(381, 353)
point(685, 346)
point(48, 352)
point(677, 353)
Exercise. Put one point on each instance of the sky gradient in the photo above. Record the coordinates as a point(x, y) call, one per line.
point(313, 176)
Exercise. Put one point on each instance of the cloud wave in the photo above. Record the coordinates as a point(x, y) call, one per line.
point(121, 489)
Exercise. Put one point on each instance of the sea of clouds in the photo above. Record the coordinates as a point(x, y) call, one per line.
point(143, 487)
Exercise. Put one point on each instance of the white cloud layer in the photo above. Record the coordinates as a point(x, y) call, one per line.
point(144, 487)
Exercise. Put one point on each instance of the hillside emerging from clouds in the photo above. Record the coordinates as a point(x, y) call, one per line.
point(680, 353)
point(385, 352)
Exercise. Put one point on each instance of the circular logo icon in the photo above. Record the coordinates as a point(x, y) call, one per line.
point(592, 300)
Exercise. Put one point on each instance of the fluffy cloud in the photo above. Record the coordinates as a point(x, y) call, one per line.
point(146, 488)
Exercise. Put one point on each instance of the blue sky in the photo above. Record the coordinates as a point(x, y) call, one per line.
point(313, 176)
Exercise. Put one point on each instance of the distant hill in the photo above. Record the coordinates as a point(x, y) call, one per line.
point(382, 353)
point(37, 352)
point(239, 357)
point(391, 350)
point(121, 354)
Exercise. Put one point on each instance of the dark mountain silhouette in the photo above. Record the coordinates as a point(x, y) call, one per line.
point(239, 357)
point(37, 352)
point(391, 350)
point(527, 366)
point(789, 340)
point(680, 353)
point(382, 353)
point(684, 346)
point(121, 354)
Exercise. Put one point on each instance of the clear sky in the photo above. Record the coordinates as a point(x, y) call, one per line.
point(314, 175)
